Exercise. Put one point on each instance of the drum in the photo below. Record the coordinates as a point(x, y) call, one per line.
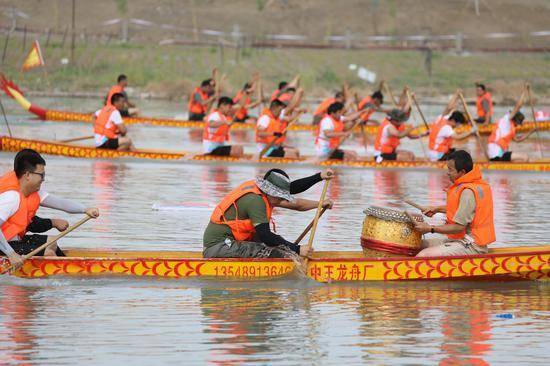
point(388, 232)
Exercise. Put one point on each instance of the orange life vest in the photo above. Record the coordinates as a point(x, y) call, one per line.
point(18, 223)
point(365, 116)
point(101, 123)
point(220, 134)
point(482, 226)
point(115, 89)
point(242, 229)
point(447, 143)
point(275, 125)
point(479, 104)
point(197, 107)
point(392, 142)
point(242, 112)
point(502, 141)
point(323, 107)
point(333, 141)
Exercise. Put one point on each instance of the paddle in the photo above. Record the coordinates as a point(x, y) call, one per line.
point(5, 118)
point(350, 131)
point(316, 219)
point(410, 99)
point(77, 139)
point(528, 87)
point(388, 90)
point(478, 136)
point(420, 112)
point(275, 138)
point(308, 228)
point(48, 243)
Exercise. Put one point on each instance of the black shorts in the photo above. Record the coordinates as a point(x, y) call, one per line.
point(506, 157)
point(390, 156)
point(241, 120)
point(337, 155)
point(221, 151)
point(111, 144)
point(28, 244)
point(445, 156)
point(196, 117)
point(124, 113)
point(278, 152)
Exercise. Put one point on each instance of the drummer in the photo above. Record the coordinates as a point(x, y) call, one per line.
point(250, 236)
point(469, 226)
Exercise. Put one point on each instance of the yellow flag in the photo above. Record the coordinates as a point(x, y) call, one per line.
point(34, 58)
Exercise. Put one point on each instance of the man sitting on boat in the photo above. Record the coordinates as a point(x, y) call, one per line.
point(239, 225)
point(370, 104)
point(270, 125)
point(216, 131)
point(201, 99)
point(469, 226)
point(442, 132)
point(243, 103)
point(332, 129)
point(129, 109)
point(504, 131)
point(484, 104)
point(109, 129)
point(322, 109)
point(20, 197)
point(390, 132)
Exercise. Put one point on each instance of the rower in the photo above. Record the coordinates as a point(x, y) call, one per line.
point(503, 132)
point(201, 100)
point(321, 110)
point(469, 226)
point(269, 126)
point(239, 225)
point(129, 109)
point(442, 132)
point(390, 132)
point(372, 103)
point(333, 127)
point(216, 131)
point(484, 104)
point(286, 90)
point(20, 197)
point(109, 129)
point(243, 102)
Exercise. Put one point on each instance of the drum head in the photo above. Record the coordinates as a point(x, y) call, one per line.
point(390, 215)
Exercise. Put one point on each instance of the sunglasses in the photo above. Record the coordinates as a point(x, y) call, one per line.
point(42, 175)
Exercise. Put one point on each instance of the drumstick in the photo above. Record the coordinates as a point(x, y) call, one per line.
point(414, 205)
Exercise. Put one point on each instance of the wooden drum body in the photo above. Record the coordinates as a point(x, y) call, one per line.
point(388, 232)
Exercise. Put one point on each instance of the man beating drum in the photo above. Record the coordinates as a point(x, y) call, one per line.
point(469, 225)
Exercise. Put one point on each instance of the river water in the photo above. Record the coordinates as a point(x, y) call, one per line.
point(292, 321)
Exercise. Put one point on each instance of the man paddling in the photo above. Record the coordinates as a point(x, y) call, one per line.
point(270, 125)
point(239, 225)
point(20, 197)
point(216, 131)
point(469, 226)
point(109, 129)
point(372, 103)
point(390, 132)
point(322, 109)
point(129, 108)
point(201, 100)
point(243, 103)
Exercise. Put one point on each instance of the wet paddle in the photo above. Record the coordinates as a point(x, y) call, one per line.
point(77, 139)
point(472, 122)
point(528, 87)
point(48, 243)
point(316, 219)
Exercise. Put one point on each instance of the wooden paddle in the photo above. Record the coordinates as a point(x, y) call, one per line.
point(77, 139)
point(420, 112)
point(410, 99)
point(275, 138)
point(316, 219)
point(308, 228)
point(478, 136)
point(528, 87)
point(48, 243)
point(388, 90)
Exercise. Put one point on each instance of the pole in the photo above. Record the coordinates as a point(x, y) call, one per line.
point(5, 118)
point(528, 86)
point(478, 136)
point(73, 34)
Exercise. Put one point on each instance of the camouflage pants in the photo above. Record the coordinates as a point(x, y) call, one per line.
point(230, 248)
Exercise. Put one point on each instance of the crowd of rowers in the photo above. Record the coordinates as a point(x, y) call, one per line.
point(335, 118)
point(239, 226)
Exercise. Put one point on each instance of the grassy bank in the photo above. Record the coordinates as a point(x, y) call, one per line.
point(172, 71)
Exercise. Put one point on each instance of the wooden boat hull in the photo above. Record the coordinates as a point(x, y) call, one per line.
point(519, 263)
point(79, 151)
point(67, 116)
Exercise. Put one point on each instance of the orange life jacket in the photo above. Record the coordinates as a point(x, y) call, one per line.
point(242, 229)
point(447, 143)
point(338, 127)
point(242, 112)
point(482, 226)
point(479, 104)
point(502, 141)
point(197, 107)
point(216, 134)
point(365, 116)
point(17, 224)
point(392, 142)
point(101, 123)
point(275, 125)
point(115, 89)
point(323, 107)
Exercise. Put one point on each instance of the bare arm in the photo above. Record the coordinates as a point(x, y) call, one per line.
point(393, 131)
point(451, 105)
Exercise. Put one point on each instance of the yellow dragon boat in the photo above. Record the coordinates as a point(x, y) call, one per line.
point(501, 264)
point(79, 151)
point(67, 116)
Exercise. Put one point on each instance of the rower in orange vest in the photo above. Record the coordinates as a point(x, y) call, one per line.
point(243, 102)
point(285, 91)
point(216, 131)
point(484, 104)
point(271, 125)
point(372, 103)
point(129, 109)
point(390, 132)
point(321, 110)
point(20, 198)
point(109, 129)
point(504, 131)
point(469, 226)
point(442, 132)
point(201, 100)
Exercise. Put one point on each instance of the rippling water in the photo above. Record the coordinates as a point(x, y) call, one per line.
point(292, 321)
